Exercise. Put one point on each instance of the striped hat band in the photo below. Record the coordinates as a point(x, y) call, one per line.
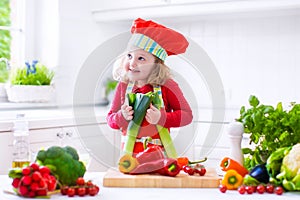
point(146, 43)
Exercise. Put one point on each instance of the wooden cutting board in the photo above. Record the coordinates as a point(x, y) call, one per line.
point(114, 178)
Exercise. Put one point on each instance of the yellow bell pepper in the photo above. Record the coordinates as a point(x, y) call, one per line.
point(127, 163)
point(232, 179)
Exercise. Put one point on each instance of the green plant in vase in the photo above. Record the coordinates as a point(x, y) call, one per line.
point(32, 83)
point(34, 74)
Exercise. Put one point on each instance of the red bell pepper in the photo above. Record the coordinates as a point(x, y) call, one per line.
point(151, 153)
point(148, 167)
point(170, 168)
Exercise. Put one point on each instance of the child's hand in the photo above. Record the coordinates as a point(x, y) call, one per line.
point(127, 112)
point(153, 115)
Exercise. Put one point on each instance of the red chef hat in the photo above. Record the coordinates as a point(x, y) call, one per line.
point(157, 39)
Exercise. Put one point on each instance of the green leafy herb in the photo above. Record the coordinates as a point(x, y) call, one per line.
point(270, 128)
point(42, 76)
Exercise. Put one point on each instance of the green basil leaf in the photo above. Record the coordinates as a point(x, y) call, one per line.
point(253, 101)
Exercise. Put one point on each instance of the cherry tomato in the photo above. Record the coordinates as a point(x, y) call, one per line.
point(202, 171)
point(64, 190)
point(278, 190)
point(242, 189)
point(81, 191)
point(92, 191)
point(89, 183)
point(189, 170)
point(270, 188)
point(260, 189)
point(222, 188)
point(249, 189)
point(80, 181)
point(71, 192)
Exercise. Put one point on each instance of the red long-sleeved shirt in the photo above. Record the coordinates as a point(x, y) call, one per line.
point(176, 112)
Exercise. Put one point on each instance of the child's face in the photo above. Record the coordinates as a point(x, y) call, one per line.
point(139, 65)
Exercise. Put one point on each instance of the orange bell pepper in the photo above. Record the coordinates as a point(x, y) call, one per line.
point(228, 164)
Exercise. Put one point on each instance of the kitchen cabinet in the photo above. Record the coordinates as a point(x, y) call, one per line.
point(95, 144)
point(180, 9)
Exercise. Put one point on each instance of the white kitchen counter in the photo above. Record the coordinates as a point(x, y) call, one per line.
point(54, 117)
point(110, 193)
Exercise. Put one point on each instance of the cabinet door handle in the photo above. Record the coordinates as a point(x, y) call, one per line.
point(60, 135)
point(70, 134)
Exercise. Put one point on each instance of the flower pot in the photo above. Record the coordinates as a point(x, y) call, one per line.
point(30, 93)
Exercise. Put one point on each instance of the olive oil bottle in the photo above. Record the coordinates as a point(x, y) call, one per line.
point(21, 149)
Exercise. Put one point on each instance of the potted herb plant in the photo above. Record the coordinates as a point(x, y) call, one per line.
point(32, 83)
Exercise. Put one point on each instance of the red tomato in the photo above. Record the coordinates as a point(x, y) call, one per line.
point(278, 190)
point(80, 181)
point(71, 192)
point(260, 189)
point(222, 188)
point(64, 190)
point(270, 188)
point(81, 191)
point(202, 171)
point(92, 191)
point(242, 189)
point(249, 189)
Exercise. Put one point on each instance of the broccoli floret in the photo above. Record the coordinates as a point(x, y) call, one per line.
point(63, 162)
point(72, 152)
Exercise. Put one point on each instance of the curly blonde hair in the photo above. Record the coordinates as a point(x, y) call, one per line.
point(159, 75)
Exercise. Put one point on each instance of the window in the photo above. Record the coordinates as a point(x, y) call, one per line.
point(11, 32)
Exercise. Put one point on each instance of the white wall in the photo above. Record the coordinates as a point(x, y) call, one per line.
point(256, 53)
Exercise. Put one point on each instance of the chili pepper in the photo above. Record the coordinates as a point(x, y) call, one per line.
point(148, 167)
point(170, 168)
point(228, 164)
point(232, 179)
point(151, 153)
point(183, 161)
point(127, 163)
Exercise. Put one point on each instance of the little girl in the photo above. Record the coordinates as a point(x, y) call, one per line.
point(140, 70)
